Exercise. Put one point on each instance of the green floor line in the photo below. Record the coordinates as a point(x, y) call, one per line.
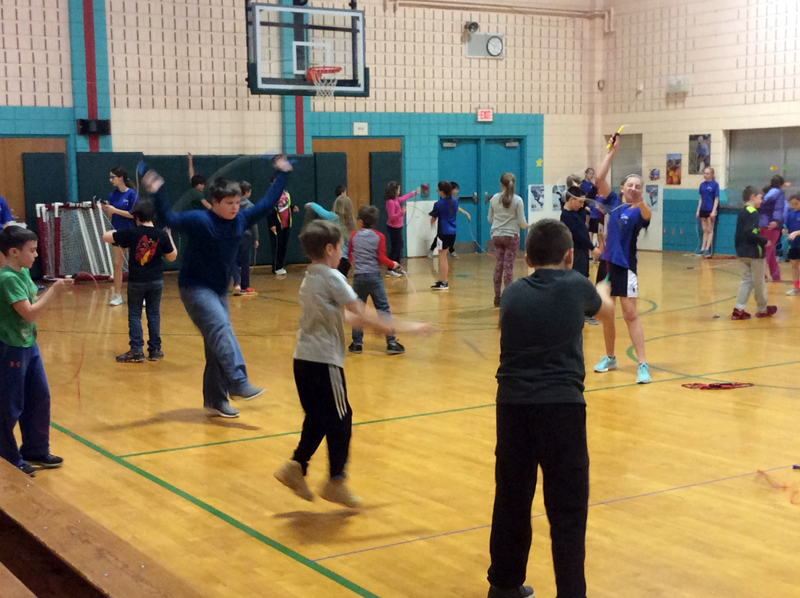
point(707, 376)
point(335, 577)
point(670, 311)
point(364, 423)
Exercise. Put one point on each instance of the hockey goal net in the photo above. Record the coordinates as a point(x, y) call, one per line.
point(71, 240)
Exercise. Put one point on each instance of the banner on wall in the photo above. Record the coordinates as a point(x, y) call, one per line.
point(700, 152)
point(673, 169)
point(536, 198)
point(652, 196)
point(558, 196)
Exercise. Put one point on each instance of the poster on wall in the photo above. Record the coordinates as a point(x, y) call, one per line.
point(559, 197)
point(655, 174)
point(673, 169)
point(700, 152)
point(651, 197)
point(536, 197)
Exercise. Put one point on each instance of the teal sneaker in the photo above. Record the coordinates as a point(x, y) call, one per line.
point(605, 364)
point(644, 374)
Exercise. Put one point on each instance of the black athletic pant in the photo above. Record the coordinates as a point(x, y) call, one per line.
point(279, 243)
point(396, 238)
point(323, 395)
point(552, 436)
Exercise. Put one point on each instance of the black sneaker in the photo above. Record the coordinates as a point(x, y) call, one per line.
point(356, 348)
point(155, 355)
point(395, 348)
point(520, 592)
point(224, 410)
point(28, 469)
point(130, 357)
point(47, 462)
point(440, 285)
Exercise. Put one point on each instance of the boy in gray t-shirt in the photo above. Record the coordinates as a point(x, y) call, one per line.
point(318, 362)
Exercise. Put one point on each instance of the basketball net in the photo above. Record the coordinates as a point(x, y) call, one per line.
point(324, 79)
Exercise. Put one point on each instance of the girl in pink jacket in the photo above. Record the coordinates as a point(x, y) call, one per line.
point(394, 226)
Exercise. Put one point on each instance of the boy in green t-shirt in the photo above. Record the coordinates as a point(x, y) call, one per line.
point(24, 393)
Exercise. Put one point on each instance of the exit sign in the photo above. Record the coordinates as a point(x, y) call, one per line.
point(485, 116)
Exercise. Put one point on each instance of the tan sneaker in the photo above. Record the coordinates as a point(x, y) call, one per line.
point(291, 475)
point(337, 491)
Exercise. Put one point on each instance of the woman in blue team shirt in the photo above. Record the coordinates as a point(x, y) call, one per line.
point(120, 202)
point(707, 209)
point(624, 220)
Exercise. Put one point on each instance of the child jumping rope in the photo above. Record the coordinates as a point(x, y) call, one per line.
point(342, 215)
point(624, 221)
point(213, 241)
point(707, 207)
point(120, 202)
point(148, 245)
point(247, 246)
point(792, 224)
point(507, 216)
point(751, 251)
point(394, 226)
point(319, 364)
point(445, 210)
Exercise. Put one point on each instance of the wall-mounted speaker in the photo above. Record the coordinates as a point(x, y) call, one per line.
point(94, 126)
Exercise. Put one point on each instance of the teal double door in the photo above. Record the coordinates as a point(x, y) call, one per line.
point(476, 164)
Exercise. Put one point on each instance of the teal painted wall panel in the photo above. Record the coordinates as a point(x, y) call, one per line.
point(420, 134)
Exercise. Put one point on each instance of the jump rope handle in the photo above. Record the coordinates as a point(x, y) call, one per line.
point(614, 137)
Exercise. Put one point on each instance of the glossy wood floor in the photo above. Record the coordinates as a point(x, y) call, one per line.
point(678, 507)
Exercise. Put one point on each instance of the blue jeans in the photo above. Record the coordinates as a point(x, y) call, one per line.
point(241, 269)
point(371, 285)
point(149, 292)
point(225, 368)
point(24, 399)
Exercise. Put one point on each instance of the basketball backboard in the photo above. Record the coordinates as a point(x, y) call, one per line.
point(284, 41)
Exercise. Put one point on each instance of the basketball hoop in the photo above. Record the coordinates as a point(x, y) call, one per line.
point(324, 79)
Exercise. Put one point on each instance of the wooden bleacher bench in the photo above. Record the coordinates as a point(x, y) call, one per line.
point(11, 586)
point(111, 566)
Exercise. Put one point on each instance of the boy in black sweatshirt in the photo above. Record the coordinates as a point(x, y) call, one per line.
point(574, 215)
point(750, 251)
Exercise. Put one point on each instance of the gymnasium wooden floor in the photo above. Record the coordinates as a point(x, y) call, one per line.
point(678, 507)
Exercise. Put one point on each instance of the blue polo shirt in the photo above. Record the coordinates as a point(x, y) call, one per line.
point(623, 226)
point(447, 217)
point(709, 190)
point(122, 200)
point(5, 213)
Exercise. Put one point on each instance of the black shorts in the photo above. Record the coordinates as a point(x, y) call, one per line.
point(705, 214)
point(594, 225)
point(624, 282)
point(445, 242)
point(794, 254)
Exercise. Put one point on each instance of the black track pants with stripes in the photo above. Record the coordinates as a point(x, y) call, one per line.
point(323, 395)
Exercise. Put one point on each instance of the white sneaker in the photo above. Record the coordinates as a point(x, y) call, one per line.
point(393, 273)
point(116, 300)
point(454, 255)
point(430, 255)
point(793, 292)
point(281, 272)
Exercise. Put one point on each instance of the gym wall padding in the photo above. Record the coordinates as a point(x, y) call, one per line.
point(383, 168)
point(331, 171)
point(94, 168)
point(45, 180)
point(302, 187)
